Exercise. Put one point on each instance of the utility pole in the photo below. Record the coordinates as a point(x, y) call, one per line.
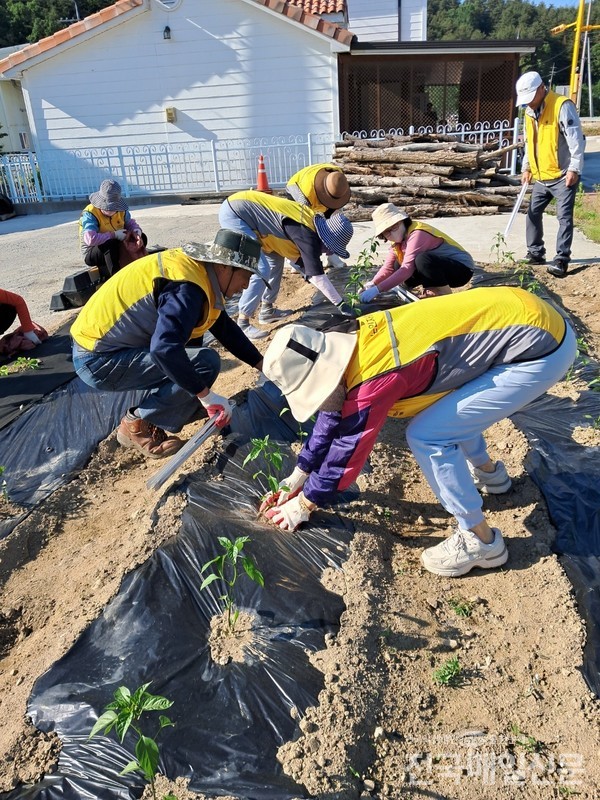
point(574, 84)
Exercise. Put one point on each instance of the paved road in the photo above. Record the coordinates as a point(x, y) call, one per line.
point(37, 252)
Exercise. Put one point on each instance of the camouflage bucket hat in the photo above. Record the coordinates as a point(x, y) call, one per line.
point(230, 248)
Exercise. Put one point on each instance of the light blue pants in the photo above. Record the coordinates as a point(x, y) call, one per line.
point(270, 267)
point(450, 432)
point(167, 405)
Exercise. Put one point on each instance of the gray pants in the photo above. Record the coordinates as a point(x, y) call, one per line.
point(542, 194)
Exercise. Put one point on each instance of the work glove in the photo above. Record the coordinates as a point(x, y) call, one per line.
point(290, 515)
point(33, 337)
point(218, 407)
point(120, 234)
point(288, 488)
point(345, 309)
point(368, 294)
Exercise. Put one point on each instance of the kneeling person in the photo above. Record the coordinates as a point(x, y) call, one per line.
point(133, 333)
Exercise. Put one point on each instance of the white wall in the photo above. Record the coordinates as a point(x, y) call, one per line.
point(230, 70)
point(13, 116)
point(388, 20)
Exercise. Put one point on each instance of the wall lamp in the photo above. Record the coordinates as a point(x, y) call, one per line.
point(167, 32)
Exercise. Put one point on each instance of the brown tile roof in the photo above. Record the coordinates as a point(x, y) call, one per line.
point(321, 6)
point(36, 49)
point(293, 10)
point(297, 10)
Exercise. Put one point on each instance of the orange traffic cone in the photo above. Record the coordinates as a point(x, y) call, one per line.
point(262, 184)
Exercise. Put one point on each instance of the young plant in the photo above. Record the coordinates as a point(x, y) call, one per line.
point(124, 712)
point(581, 360)
point(594, 423)
point(449, 673)
point(501, 254)
point(526, 279)
point(530, 744)
point(271, 452)
point(360, 272)
point(460, 606)
point(226, 569)
point(21, 364)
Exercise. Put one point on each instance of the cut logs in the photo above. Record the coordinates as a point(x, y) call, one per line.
point(427, 175)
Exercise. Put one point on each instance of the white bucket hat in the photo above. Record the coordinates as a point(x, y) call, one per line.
point(527, 86)
point(386, 216)
point(307, 365)
point(108, 197)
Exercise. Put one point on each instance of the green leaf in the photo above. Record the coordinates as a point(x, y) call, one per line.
point(252, 572)
point(133, 766)
point(165, 722)
point(208, 580)
point(122, 696)
point(105, 721)
point(146, 751)
point(154, 702)
point(208, 563)
point(122, 724)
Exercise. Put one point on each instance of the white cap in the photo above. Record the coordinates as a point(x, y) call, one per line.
point(527, 86)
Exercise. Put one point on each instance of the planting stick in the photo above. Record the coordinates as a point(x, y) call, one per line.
point(190, 447)
point(515, 210)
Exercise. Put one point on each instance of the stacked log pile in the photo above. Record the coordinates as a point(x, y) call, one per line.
point(427, 175)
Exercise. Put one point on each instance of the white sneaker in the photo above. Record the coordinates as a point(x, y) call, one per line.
point(496, 482)
point(462, 551)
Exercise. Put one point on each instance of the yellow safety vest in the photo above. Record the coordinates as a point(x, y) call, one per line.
point(542, 139)
point(265, 214)
point(462, 329)
point(304, 179)
point(105, 224)
point(423, 226)
point(123, 311)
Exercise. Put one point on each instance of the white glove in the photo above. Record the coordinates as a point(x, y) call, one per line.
point(218, 407)
point(368, 294)
point(290, 515)
point(33, 337)
point(288, 488)
point(120, 234)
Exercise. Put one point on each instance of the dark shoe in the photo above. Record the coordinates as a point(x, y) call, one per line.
point(146, 438)
point(558, 268)
point(534, 261)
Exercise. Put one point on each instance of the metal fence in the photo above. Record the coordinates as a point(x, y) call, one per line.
point(194, 167)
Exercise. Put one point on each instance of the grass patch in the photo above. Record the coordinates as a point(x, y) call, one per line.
point(587, 214)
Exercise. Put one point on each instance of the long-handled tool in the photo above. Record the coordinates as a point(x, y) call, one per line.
point(190, 447)
point(515, 211)
point(405, 294)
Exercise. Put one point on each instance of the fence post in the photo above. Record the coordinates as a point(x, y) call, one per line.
point(310, 150)
point(34, 172)
point(213, 151)
point(513, 157)
point(9, 179)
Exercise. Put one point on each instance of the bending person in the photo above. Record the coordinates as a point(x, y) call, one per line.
point(420, 255)
point(285, 229)
point(104, 225)
point(134, 333)
point(457, 365)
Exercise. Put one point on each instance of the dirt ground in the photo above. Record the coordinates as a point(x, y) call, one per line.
point(520, 722)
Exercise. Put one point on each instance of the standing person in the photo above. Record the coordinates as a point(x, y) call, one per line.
point(285, 229)
point(457, 365)
point(325, 189)
point(420, 255)
point(104, 225)
point(554, 146)
point(133, 333)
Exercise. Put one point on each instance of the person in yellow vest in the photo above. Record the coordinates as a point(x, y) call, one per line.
point(420, 255)
point(554, 145)
point(136, 332)
point(285, 229)
point(324, 188)
point(456, 364)
point(104, 225)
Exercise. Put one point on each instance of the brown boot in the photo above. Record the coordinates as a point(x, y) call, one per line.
point(149, 440)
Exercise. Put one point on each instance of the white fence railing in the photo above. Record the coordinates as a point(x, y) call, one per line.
point(194, 167)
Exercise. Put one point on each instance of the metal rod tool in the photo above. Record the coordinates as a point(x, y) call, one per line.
point(515, 211)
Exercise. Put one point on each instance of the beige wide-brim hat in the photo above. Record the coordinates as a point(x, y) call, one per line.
point(331, 188)
point(307, 365)
point(386, 216)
